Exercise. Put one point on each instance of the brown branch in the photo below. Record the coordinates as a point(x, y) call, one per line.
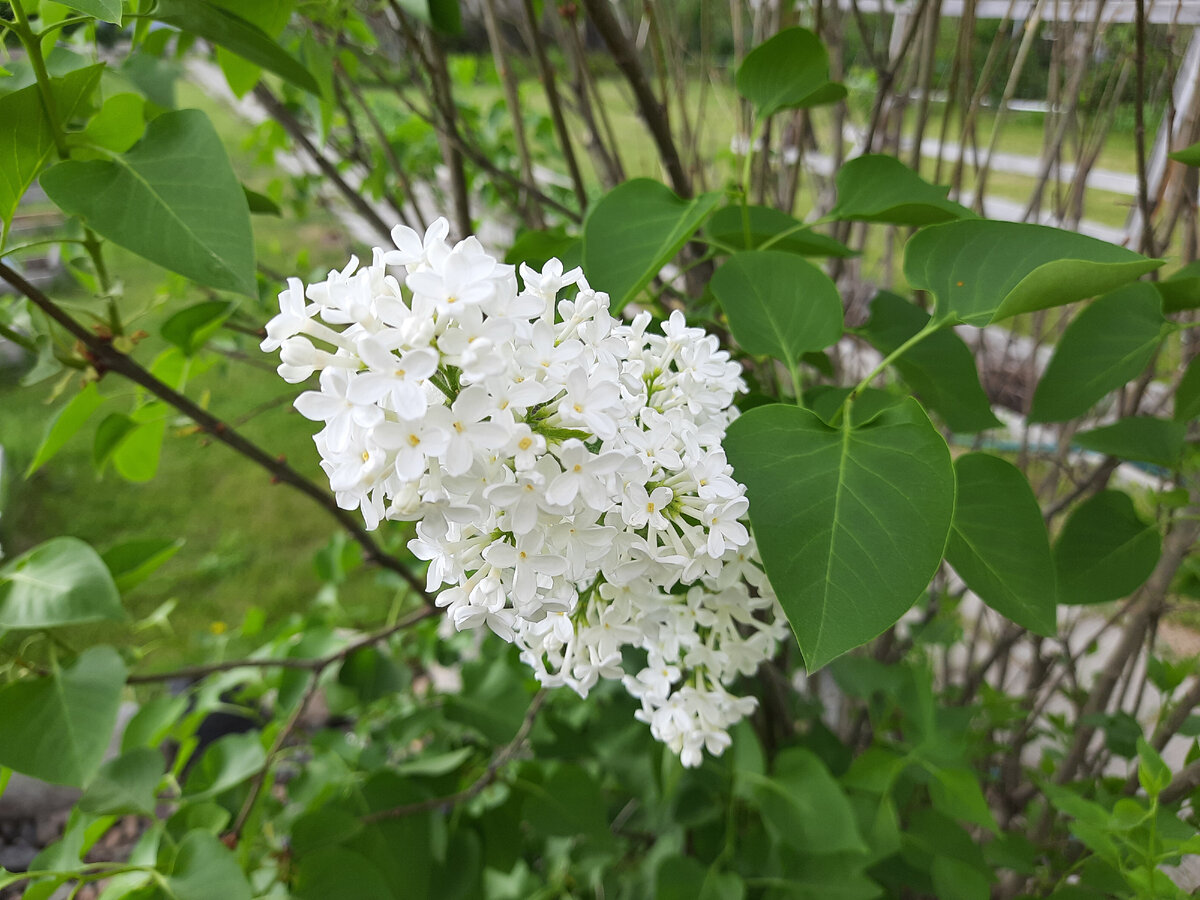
point(1139, 130)
point(281, 114)
point(624, 54)
point(502, 758)
point(106, 358)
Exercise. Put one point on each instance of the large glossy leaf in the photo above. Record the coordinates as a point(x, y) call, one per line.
point(787, 71)
point(66, 422)
point(1108, 344)
point(125, 785)
point(60, 582)
point(226, 29)
point(104, 10)
point(878, 188)
point(633, 231)
point(1142, 438)
point(851, 521)
point(983, 271)
point(26, 138)
point(173, 199)
point(1105, 551)
point(728, 226)
point(778, 304)
point(940, 369)
point(57, 727)
point(998, 543)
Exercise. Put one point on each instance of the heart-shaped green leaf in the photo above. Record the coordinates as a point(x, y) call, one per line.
point(940, 369)
point(60, 582)
point(633, 231)
point(851, 522)
point(173, 199)
point(1142, 438)
point(982, 271)
point(57, 727)
point(1105, 551)
point(998, 543)
point(1108, 344)
point(778, 304)
point(728, 226)
point(203, 869)
point(878, 188)
point(787, 71)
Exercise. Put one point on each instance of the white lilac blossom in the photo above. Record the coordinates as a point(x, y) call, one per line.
point(564, 469)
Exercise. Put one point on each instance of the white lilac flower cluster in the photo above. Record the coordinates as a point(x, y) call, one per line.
point(564, 469)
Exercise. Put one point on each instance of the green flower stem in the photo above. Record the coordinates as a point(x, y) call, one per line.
point(747, 165)
point(925, 332)
point(786, 233)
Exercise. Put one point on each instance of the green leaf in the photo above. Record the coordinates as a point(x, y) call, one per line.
point(940, 369)
point(1181, 291)
point(878, 188)
point(998, 543)
point(132, 562)
point(432, 765)
point(104, 10)
point(1105, 551)
point(983, 271)
point(444, 15)
point(536, 248)
point(66, 422)
point(373, 674)
point(1189, 156)
point(1187, 395)
point(113, 429)
point(804, 807)
point(202, 869)
point(766, 223)
point(1143, 438)
point(954, 879)
point(26, 138)
point(1153, 773)
point(173, 199)
point(330, 871)
point(228, 761)
point(261, 204)
point(1108, 344)
point(956, 793)
point(120, 123)
point(778, 304)
point(57, 727)
point(225, 29)
point(851, 521)
point(60, 582)
point(136, 457)
point(788, 71)
point(190, 328)
point(269, 15)
point(152, 723)
point(567, 804)
point(633, 231)
point(125, 785)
